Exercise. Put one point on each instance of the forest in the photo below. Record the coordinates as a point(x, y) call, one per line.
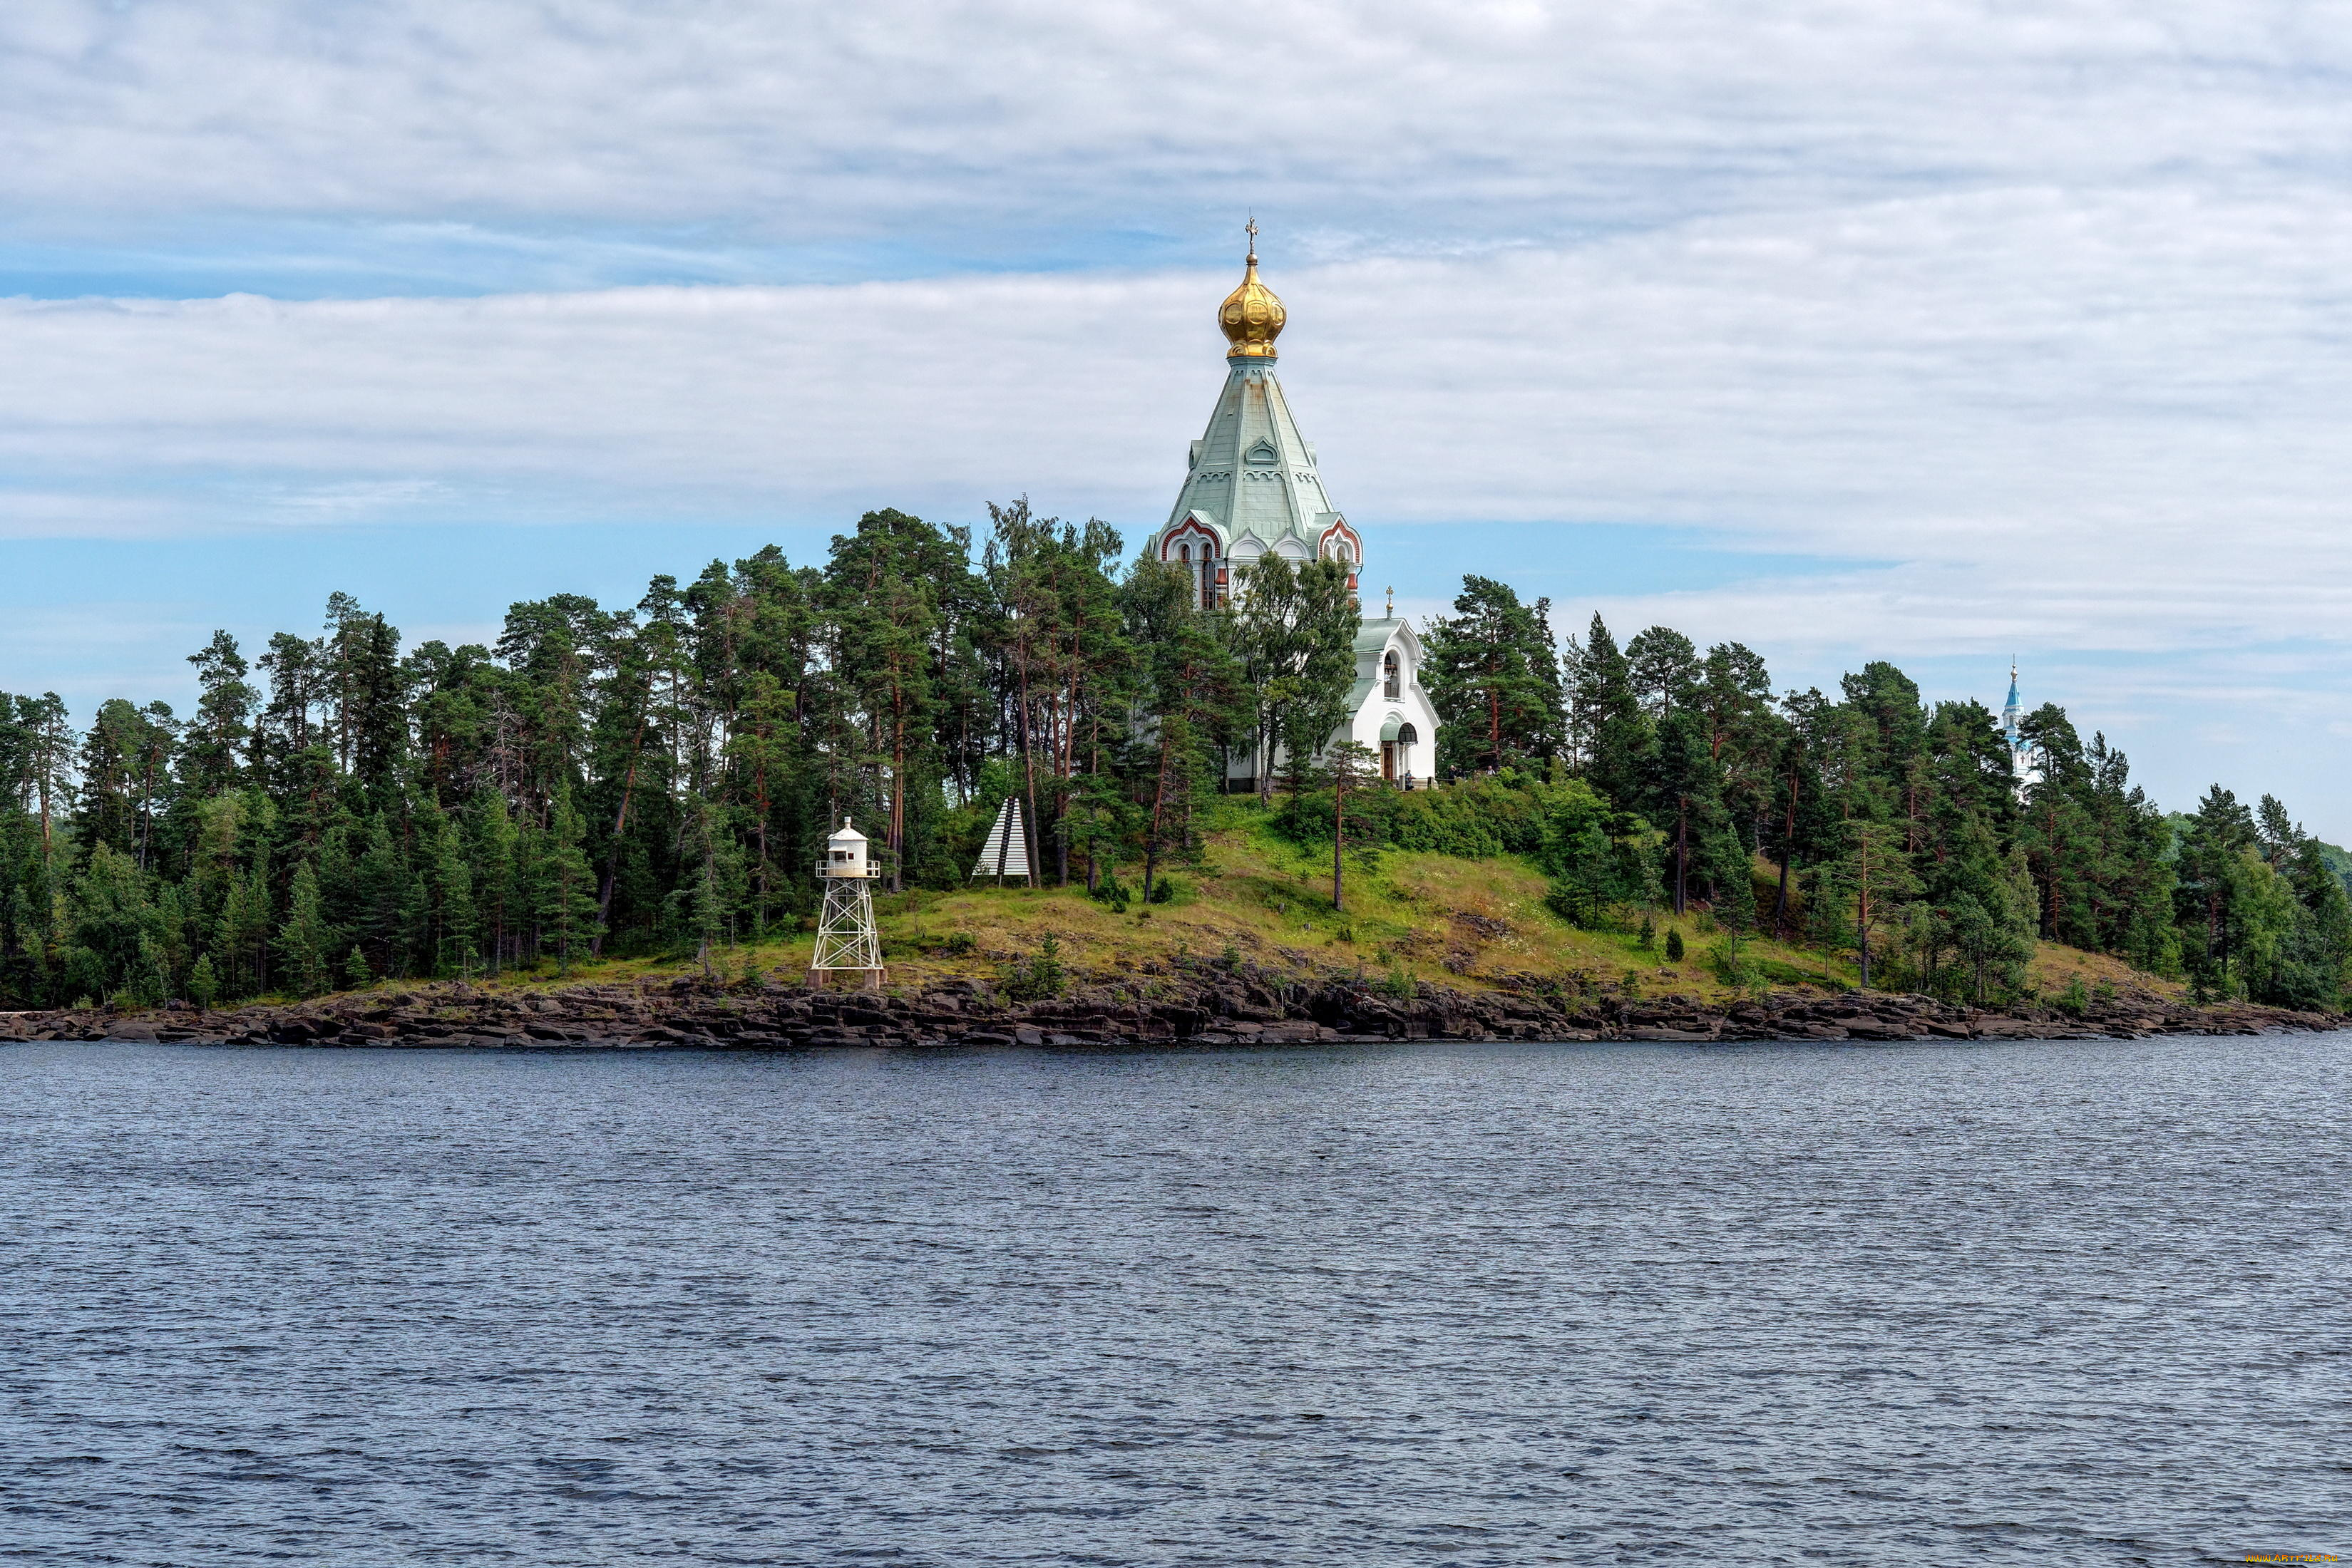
point(338, 809)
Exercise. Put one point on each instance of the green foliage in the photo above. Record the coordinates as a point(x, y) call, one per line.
point(563, 896)
point(660, 776)
point(1398, 985)
point(305, 942)
point(1291, 644)
point(1039, 977)
point(204, 982)
point(1675, 948)
point(2260, 912)
point(1492, 669)
point(1728, 960)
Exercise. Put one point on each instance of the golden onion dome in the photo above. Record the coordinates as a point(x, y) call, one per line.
point(1252, 316)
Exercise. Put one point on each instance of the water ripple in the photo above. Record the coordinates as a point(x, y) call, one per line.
point(2007, 1302)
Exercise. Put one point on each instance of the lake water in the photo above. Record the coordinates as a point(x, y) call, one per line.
point(1955, 1303)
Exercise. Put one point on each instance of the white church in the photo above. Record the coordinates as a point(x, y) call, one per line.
point(1252, 489)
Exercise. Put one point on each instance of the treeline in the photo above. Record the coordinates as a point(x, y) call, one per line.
point(1873, 821)
point(660, 778)
point(656, 778)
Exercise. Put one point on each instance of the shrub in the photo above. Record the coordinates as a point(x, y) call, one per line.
point(1477, 819)
point(1675, 948)
point(1038, 978)
point(1600, 859)
point(1647, 936)
point(1397, 983)
point(203, 983)
point(1727, 958)
point(958, 945)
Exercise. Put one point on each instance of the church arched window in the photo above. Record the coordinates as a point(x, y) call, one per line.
point(1392, 676)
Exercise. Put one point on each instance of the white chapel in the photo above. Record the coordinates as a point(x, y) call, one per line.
point(1252, 489)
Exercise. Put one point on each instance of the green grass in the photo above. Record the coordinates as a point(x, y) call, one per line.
point(1435, 919)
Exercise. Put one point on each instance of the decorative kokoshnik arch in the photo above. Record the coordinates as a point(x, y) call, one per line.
point(1341, 543)
point(1194, 546)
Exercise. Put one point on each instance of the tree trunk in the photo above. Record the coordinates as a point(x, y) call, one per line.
point(620, 822)
point(1028, 775)
point(1682, 853)
point(898, 788)
point(1339, 832)
point(1788, 847)
point(1159, 801)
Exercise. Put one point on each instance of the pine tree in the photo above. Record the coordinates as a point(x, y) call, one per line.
point(1291, 637)
point(305, 942)
point(1869, 886)
point(1351, 764)
point(1610, 714)
point(203, 983)
point(1492, 672)
point(209, 761)
point(492, 873)
point(566, 890)
point(1192, 707)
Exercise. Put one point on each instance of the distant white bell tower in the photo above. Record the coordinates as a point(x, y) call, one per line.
point(846, 939)
point(2024, 762)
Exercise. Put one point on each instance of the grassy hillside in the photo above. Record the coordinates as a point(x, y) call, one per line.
point(1436, 918)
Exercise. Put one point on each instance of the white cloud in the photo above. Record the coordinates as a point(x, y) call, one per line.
point(1368, 120)
point(2111, 418)
point(2028, 321)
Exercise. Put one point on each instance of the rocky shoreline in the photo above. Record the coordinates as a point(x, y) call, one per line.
point(1216, 1007)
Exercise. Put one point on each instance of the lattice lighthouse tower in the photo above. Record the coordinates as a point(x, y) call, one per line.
point(1252, 488)
point(847, 940)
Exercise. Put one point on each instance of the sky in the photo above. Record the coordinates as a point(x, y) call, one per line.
point(1945, 332)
